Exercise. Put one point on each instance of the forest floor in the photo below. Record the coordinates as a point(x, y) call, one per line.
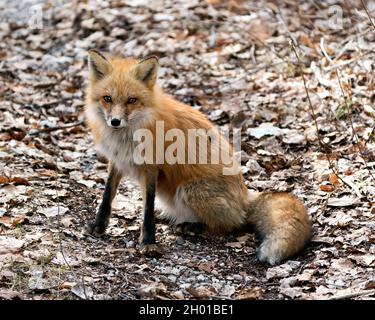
point(234, 61)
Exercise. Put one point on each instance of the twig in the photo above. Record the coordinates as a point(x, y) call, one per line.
point(342, 64)
point(280, 18)
point(342, 50)
point(368, 13)
point(71, 125)
point(352, 295)
point(69, 266)
point(324, 50)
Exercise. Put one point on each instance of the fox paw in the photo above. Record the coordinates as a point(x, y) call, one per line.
point(151, 250)
point(190, 228)
point(95, 230)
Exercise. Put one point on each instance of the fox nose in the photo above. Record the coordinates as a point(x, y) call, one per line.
point(115, 122)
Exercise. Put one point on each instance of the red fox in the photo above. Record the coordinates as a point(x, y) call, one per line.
point(122, 97)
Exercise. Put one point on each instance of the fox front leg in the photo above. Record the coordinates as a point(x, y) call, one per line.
point(97, 228)
point(147, 237)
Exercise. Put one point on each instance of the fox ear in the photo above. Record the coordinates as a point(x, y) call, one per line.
point(147, 70)
point(99, 66)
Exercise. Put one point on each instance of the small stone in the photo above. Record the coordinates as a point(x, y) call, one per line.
point(214, 272)
point(237, 277)
point(179, 240)
point(178, 295)
point(130, 244)
point(201, 278)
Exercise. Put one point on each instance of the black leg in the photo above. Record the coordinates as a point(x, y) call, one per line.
point(148, 226)
point(147, 238)
point(98, 227)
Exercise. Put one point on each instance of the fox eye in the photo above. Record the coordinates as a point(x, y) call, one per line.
point(107, 98)
point(132, 100)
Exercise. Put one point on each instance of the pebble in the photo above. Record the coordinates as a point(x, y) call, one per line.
point(214, 272)
point(179, 240)
point(130, 244)
point(237, 277)
point(201, 278)
point(185, 285)
point(178, 295)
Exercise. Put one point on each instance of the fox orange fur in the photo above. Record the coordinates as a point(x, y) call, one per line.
point(122, 97)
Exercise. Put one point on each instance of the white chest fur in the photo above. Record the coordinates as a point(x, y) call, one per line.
point(117, 145)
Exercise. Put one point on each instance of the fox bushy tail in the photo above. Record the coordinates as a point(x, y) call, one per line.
point(281, 222)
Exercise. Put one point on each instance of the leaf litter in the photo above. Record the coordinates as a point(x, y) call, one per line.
point(235, 64)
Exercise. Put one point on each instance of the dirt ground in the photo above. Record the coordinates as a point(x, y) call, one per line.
point(234, 61)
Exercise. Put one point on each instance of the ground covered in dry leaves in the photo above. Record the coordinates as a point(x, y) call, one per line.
point(232, 60)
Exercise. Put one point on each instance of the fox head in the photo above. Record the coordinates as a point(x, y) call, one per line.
point(122, 89)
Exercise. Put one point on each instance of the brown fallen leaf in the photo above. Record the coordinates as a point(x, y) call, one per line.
point(152, 289)
point(370, 284)
point(201, 292)
point(334, 180)
point(234, 244)
point(67, 221)
point(8, 294)
point(67, 285)
point(304, 39)
point(14, 134)
point(244, 238)
point(4, 179)
point(18, 220)
point(206, 266)
point(327, 188)
point(20, 181)
point(178, 295)
point(6, 221)
point(260, 31)
point(250, 293)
